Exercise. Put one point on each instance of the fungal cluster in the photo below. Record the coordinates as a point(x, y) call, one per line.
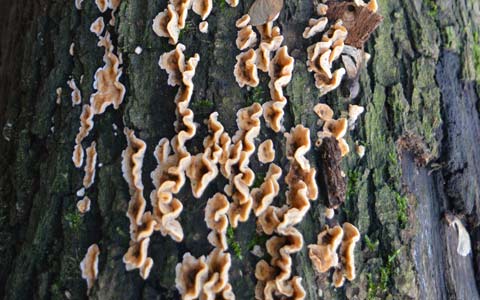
point(207, 277)
point(108, 91)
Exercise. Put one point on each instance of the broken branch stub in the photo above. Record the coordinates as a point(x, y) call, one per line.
point(331, 175)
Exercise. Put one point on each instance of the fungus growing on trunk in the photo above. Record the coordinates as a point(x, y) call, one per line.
point(98, 26)
point(89, 266)
point(323, 111)
point(203, 27)
point(243, 21)
point(216, 219)
point(102, 5)
point(351, 236)
point(266, 152)
point(191, 275)
point(109, 89)
point(264, 195)
point(280, 72)
point(76, 94)
point(90, 165)
point(246, 70)
point(166, 25)
point(315, 26)
point(464, 246)
point(354, 111)
point(78, 4)
point(77, 156)
point(246, 38)
point(83, 205)
point(324, 254)
point(202, 8)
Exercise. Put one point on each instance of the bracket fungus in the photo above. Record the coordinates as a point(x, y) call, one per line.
point(78, 4)
point(76, 94)
point(246, 38)
point(266, 152)
point(243, 21)
point(90, 165)
point(315, 26)
point(280, 72)
point(264, 195)
point(351, 236)
point(98, 26)
point(324, 254)
point(77, 156)
point(102, 5)
point(136, 256)
point(109, 90)
point(203, 8)
point(246, 70)
point(166, 25)
point(89, 266)
point(83, 205)
point(191, 275)
point(216, 219)
point(203, 27)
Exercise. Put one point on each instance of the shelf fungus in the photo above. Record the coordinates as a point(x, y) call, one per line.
point(315, 26)
point(243, 21)
point(90, 165)
point(351, 236)
point(216, 219)
point(266, 152)
point(191, 275)
point(86, 124)
point(77, 156)
point(217, 284)
point(203, 8)
point(275, 280)
point(203, 27)
point(264, 195)
point(246, 70)
point(354, 112)
point(323, 111)
point(89, 266)
point(83, 205)
point(136, 256)
point(246, 38)
point(78, 4)
point(324, 254)
point(109, 90)
point(236, 166)
point(182, 7)
point(76, 94)
point(165, 24)
point(102, 5)
point(98, 26)
point(280, 72)
point(203, 168)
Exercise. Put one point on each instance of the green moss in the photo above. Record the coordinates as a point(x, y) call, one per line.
point(402, 209)
point(255, 95)
point(372, 246)
point(257, 240)
point(451, 38)
point(386, 272)
point(433, 8)
point(259, 179)
point(74, 220)
point(205, 103)
point(233, 244)
point(221, 4)
point(476, 54)
point(353, 178)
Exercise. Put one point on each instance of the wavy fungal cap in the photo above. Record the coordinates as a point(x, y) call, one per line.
point(89, 265)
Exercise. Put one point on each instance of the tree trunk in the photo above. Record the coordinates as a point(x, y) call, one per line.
point(421, 130)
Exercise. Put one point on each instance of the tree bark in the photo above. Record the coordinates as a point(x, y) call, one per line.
point(421, 127)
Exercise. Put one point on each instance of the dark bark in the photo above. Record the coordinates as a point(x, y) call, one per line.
point(419, 90)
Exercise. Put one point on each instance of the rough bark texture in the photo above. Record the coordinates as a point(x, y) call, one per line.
point(421, 84)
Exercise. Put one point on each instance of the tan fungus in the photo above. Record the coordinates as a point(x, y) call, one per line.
point(246, 38)
point(191, 275)
point(266, 152)
point(245, 69)
point(216, 219)
point(203, 27)
point(243, 21)
point(203, 8)
point(98, 26)
point(102, 5)
point(90, 165)
point(324, 254)
point(165, 24)
point(76, 94)
point(83, 205)
point(89, 266)
point(323, 111)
